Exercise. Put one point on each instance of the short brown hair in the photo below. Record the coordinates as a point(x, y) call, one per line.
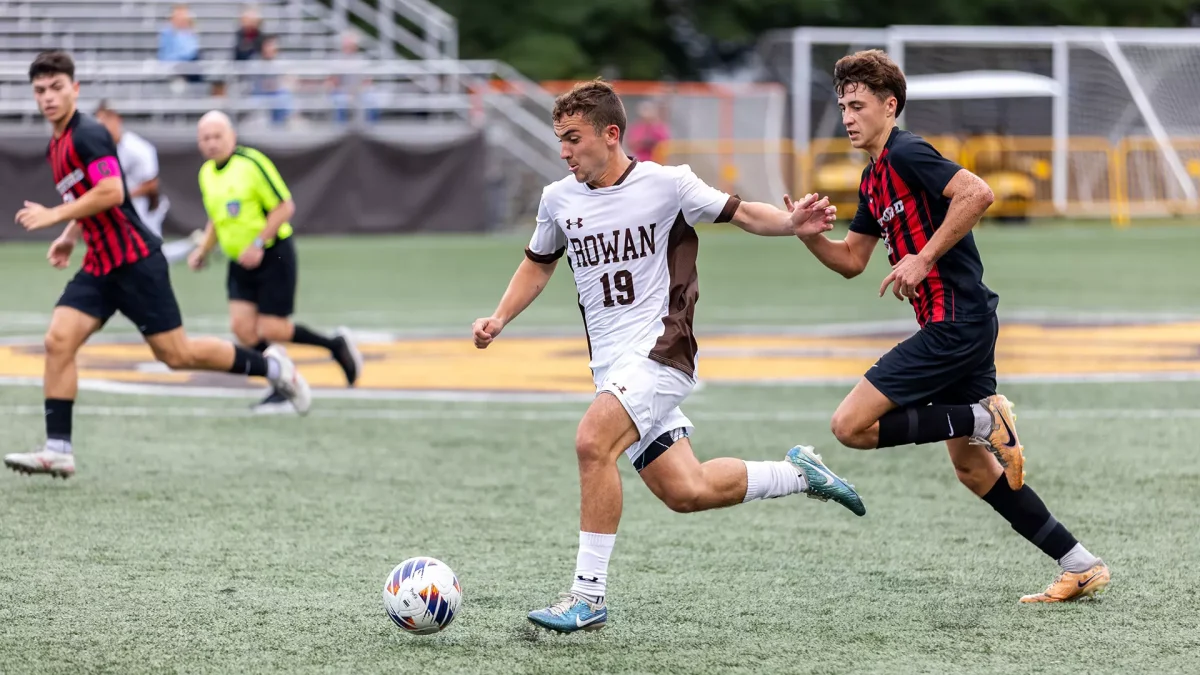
point(53, 62)
point(875, 69)
point(597, 101)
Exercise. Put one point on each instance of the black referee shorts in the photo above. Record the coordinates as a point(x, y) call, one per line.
point(271, 287)
point(141, 291)
point(947, 363)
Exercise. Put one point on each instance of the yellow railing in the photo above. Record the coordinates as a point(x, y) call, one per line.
point(1120, 180)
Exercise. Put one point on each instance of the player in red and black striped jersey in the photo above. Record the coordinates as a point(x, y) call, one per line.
point(123, 271)
point(939, 384)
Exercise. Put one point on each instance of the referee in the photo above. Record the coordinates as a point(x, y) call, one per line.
point(248, 208)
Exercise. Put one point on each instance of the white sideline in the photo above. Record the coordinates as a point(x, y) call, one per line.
point(401, 414)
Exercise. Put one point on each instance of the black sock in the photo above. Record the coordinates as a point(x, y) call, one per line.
point(1031, 519)
point(248, 362)
point(58, 419)
point(261, 346)
point(925, 424)
point(304, 336)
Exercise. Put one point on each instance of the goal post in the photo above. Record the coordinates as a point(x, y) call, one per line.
point(1080, 121)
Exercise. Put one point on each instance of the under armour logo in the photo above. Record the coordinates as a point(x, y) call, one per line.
point(619, 387)
point(593, 579)
point(577, 224)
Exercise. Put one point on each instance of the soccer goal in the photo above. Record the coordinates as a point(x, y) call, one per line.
point(1067, 121)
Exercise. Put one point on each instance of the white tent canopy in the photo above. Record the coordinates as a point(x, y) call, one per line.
point(981, 84)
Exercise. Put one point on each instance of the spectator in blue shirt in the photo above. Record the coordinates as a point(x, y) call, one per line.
point(178, 41)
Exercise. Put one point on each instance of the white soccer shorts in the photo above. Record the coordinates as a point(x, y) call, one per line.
point(651, 393)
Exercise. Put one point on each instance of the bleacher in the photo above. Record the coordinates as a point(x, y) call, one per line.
point(408, 63)
point(118, 29)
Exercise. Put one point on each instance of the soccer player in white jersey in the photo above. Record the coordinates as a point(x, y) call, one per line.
point(139, 162)
point(626, 228)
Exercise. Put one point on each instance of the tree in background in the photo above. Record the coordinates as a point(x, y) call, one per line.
point(680, 39)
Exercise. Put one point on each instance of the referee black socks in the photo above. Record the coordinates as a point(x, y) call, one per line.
point(304, 336)
point(925, 424)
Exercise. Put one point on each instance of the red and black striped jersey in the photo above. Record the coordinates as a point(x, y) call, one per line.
point(900, 199)
point(81, 157)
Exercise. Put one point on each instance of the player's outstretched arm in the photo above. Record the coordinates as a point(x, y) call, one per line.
point(848, 257)
point(526, 284)
point(106, 194)
point(809, 216)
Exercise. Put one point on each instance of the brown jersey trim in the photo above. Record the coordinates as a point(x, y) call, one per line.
point(628, 170)
point(730, 208)
point(545, 258)
point(676, 347)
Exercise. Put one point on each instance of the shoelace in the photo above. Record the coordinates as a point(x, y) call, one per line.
point(565, 602)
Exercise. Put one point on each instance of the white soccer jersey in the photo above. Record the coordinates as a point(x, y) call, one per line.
point(633, 249)
point(139, 163)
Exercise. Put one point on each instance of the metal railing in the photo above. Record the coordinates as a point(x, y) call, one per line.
point(485, 94)
point(1117, 179)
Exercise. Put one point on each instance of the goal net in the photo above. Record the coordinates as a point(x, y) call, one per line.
point(1066, 122)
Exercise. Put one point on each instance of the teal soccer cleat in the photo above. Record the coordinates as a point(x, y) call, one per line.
point(824, 484)
point(571, 613)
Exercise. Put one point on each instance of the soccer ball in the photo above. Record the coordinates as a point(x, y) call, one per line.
point(422, 595)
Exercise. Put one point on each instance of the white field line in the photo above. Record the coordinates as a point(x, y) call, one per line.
point(401, 414)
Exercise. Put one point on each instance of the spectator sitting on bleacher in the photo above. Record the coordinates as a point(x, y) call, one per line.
point(272, 83)
point(249, 37)
point(177, 42)
point(347, 88)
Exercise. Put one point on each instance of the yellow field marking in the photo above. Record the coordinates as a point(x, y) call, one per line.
point(561, 364)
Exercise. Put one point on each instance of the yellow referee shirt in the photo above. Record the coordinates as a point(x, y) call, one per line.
point(239, 195)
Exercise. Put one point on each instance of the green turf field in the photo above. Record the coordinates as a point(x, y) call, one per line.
point(198, 539)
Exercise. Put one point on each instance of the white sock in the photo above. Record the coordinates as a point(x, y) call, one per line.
point(58, 445)
point(272, 369)
point(591, 565)
point(177, 251)
point(983, 421)
point(768, 480)
point(1077, 560)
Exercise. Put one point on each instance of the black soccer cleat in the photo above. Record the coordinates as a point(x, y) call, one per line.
point(346, 353)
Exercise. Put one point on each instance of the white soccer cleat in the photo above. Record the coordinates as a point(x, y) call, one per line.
point(57, 464)
point(290, 382)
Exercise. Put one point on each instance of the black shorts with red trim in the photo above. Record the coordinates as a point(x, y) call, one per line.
point(141, 291)
point(946, 362)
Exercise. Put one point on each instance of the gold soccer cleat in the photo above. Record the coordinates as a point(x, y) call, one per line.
point(1003, 441)
point(1072, 586)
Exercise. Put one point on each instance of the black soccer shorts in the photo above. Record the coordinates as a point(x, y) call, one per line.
point(946, 363)
point(271, 287)
point(141, 291)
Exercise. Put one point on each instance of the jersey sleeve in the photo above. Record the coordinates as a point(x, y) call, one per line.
point(270, 188)
point(920, 165)
point(864, 222)
point(701, 203)
point(96, 152)
point(549, 242)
